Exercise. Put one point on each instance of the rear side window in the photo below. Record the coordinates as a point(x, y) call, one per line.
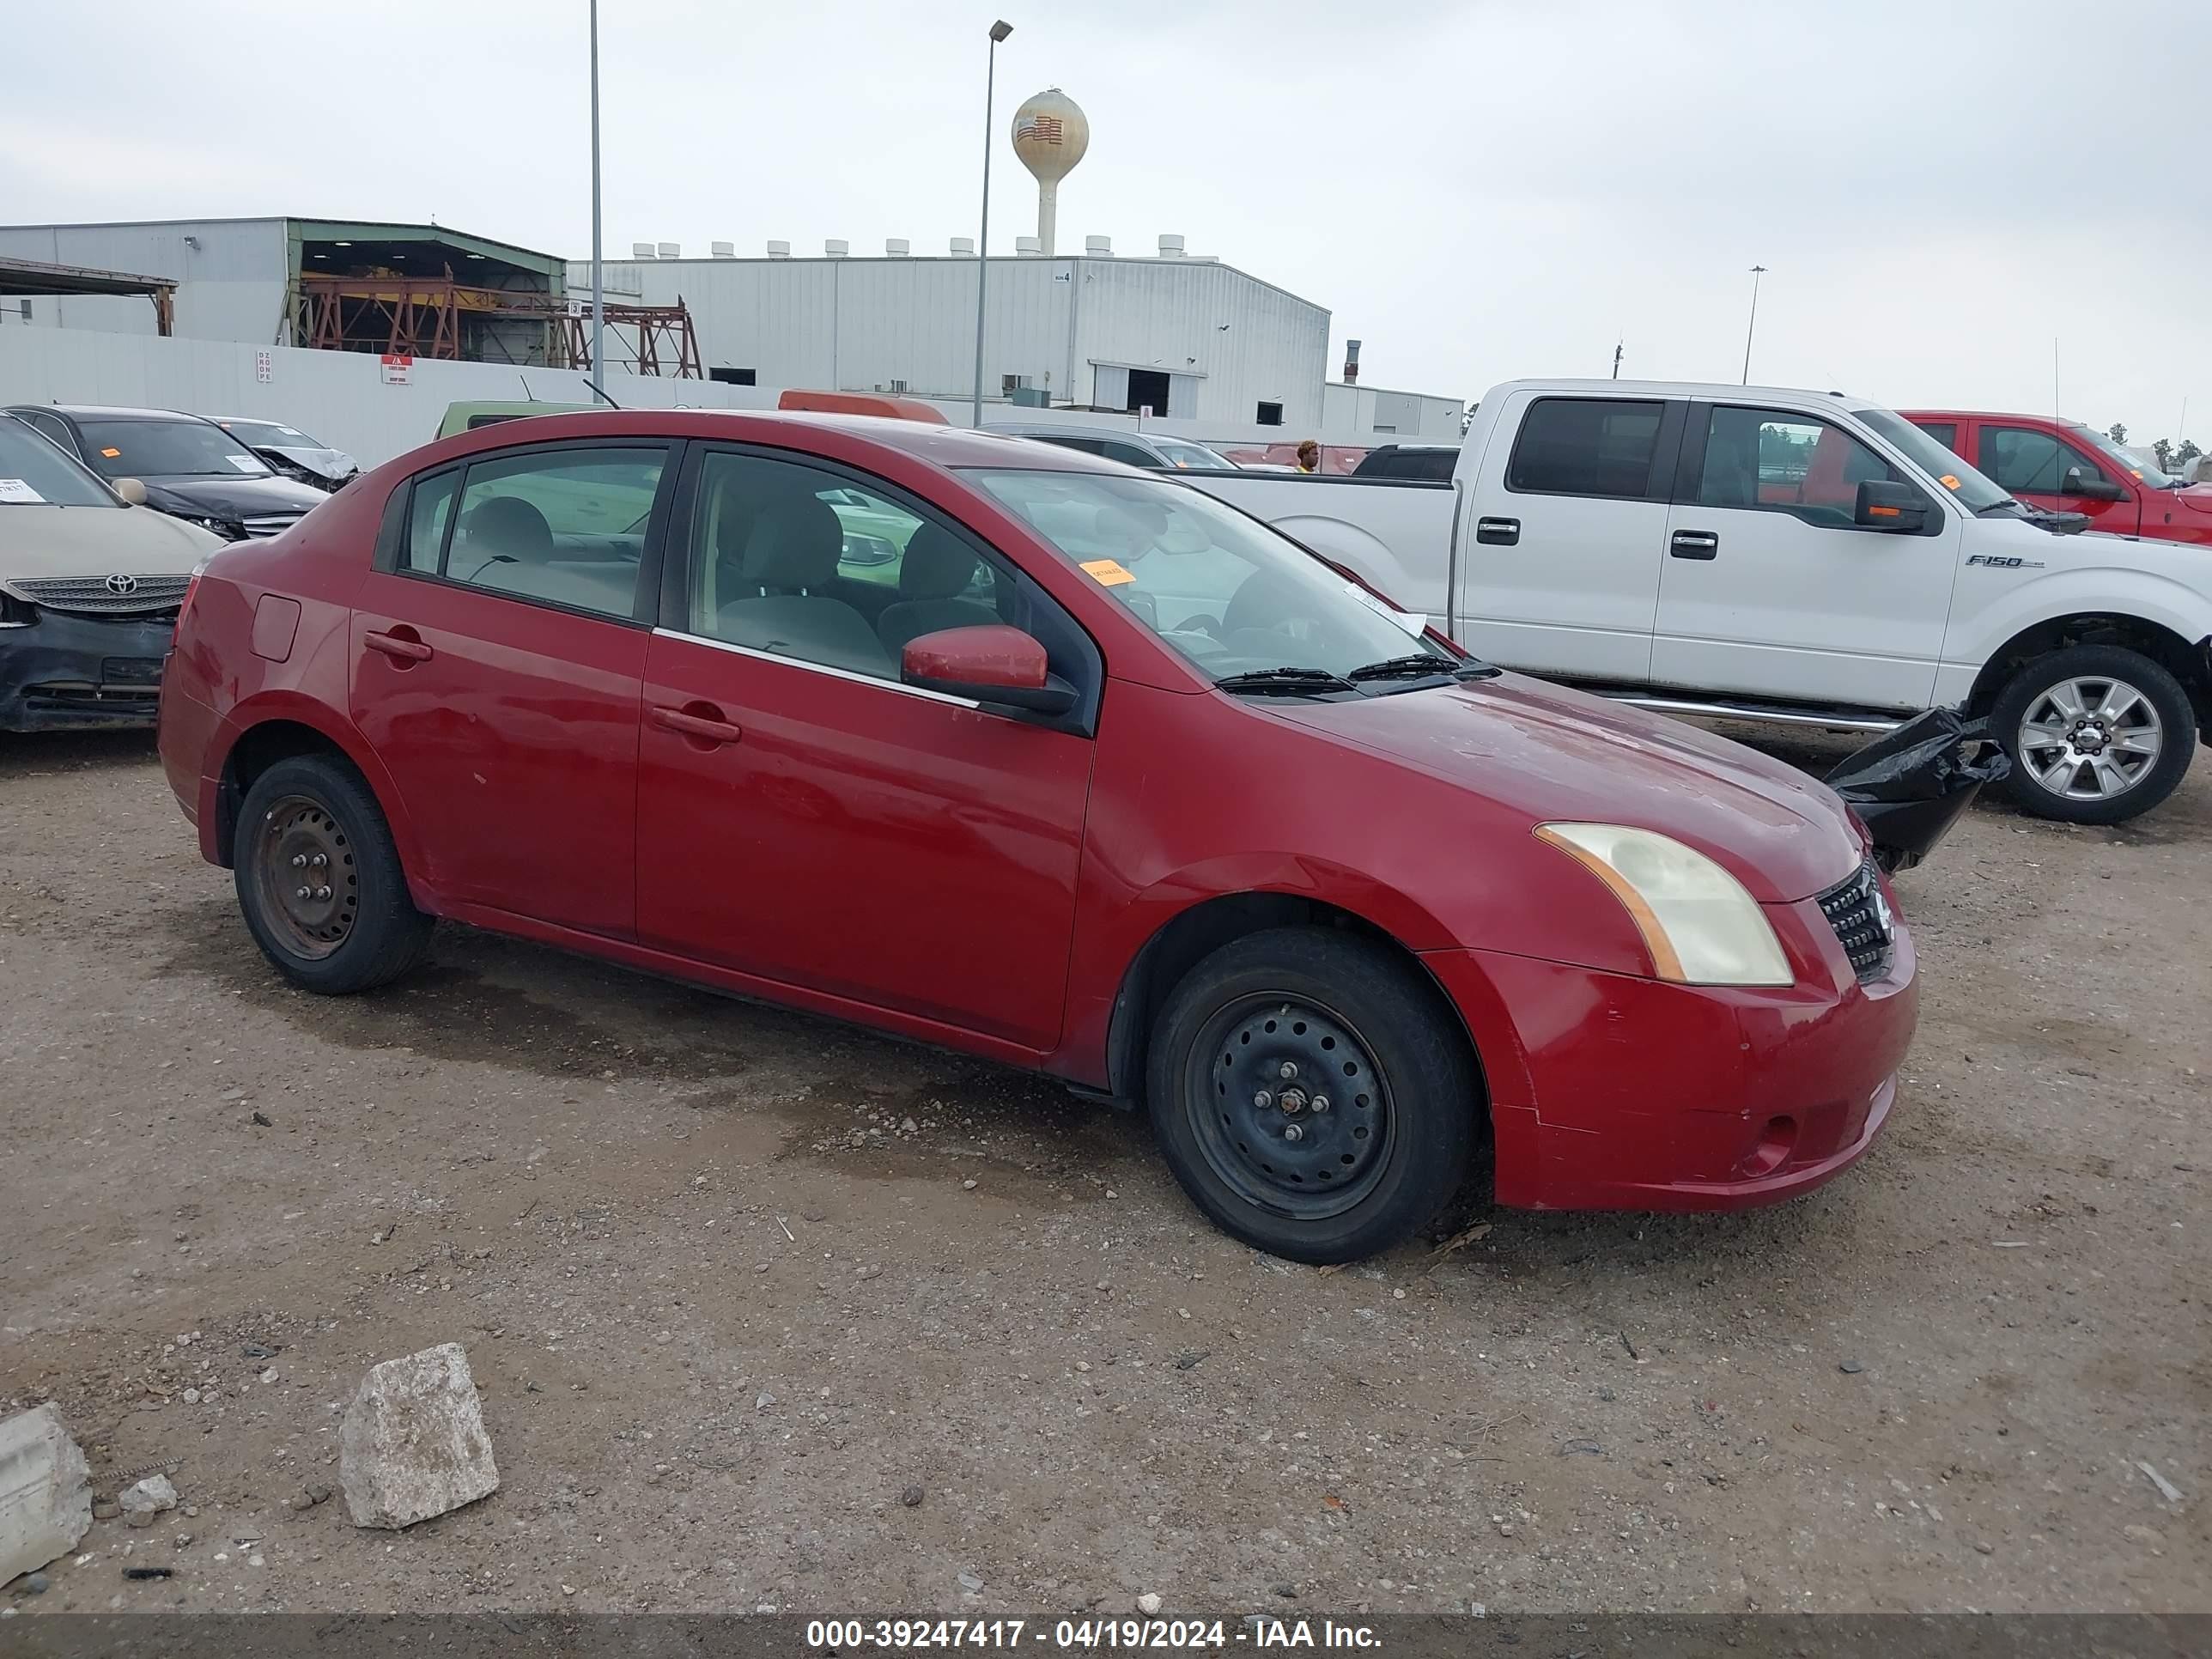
point(1945, 433)
point(1585, 447)
point(428, 513)
point(1086, 445)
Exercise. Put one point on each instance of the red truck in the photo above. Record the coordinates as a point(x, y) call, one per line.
point(2063, 466)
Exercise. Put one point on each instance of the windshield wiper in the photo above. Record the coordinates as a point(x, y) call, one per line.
point(1289, 682)
point(1423, 665)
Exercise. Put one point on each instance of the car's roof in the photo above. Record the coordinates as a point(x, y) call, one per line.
point(1034, 428)
point(1991, 414)
point(114, 412)
point(940, 446)
point(1716, 389)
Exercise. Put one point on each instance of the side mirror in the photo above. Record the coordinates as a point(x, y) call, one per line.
point(130, 489)
point(1882, 505)
point(992, 664)
point(2092, 489)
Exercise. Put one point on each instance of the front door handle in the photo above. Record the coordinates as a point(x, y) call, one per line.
point(699, 720)
point(1695, 544)
point(400, 648)
point(1497, 532)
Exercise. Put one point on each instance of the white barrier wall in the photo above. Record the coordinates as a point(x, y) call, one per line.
point(342, 399)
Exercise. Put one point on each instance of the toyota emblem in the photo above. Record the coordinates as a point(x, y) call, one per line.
point(119, 584)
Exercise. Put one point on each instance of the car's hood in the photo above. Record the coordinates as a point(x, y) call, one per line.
point(1549, 754)
point(2197, 497)
point(332, 463)
point(230, 498)
point(98, 541)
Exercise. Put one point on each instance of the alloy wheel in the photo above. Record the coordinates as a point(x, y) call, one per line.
point(2090, 739)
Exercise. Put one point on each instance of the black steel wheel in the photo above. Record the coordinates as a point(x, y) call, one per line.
point(318, 878)
point(1313, 1093)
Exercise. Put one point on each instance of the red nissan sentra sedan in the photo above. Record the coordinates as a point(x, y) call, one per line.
point(1002, 747)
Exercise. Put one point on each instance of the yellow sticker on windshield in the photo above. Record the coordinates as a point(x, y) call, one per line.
point(1949, 481)
point(1107, 573)
point(110, 454)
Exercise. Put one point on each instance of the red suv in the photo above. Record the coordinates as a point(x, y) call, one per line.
point(1010, 749)
point(2063, 466)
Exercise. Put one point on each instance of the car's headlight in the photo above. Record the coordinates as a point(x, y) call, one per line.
point(229, 529)
point(1699, 925)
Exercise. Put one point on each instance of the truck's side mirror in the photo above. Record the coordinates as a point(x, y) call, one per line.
point(1884, 505)
point(2094, 489)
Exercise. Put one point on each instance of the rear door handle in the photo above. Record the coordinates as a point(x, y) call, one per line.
point(1695, 544)
point(1497, 532)
point(708, 727)
point(398, 647)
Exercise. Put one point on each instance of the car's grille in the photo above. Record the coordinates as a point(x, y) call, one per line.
point(103, 596)
point(275, 524)
point(1860, 916)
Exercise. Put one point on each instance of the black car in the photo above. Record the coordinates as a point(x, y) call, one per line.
point(192, 468)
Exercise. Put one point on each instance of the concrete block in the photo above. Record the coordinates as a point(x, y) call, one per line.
point(46, 1491)
point(413, 1443)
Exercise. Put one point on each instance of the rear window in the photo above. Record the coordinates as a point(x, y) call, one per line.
point(1585, 447)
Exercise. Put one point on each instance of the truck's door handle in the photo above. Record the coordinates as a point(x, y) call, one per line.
point(1497, 532)
point(700, 720)
point(1695, 544)
point(401, 647)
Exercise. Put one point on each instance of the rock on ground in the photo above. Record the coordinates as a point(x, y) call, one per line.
point(46, 1491)
point(413, 1443)
point(150, 1496)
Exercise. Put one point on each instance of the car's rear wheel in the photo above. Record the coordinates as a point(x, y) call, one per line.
point(320, 882)
point(2097, 734)
point(1312, 1093)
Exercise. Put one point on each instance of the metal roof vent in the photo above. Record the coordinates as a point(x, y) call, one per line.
point(723, 250)
point(1098, 247)
point(779, 250)
point(640, 250)
point(1170, 247)
point(1027, 247)
point(896, 247)
point(964, 245)
point(670, 250)
point(836, 247)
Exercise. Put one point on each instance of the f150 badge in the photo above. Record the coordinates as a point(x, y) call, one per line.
point(2000, 562)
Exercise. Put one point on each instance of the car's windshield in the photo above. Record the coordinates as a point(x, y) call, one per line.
point(33, 473)
point(270, 434)
point(168, 449)
point(2127, 460)
point(1193, 458)
point(1975, 493)
point(1230, 593)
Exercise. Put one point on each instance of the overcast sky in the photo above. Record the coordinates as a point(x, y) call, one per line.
point(1940, 188)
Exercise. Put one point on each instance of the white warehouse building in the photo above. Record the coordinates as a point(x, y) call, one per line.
point(1187, 338)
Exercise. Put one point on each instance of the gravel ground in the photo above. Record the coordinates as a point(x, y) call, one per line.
point(771, 1313)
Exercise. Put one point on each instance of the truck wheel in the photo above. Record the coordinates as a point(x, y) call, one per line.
point(2097, 734)
point(1312, 1094)
point(320, 882)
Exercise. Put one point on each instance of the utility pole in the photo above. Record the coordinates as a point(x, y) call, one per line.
point(1000, 31)
point(598, 291)
point(1757, 272)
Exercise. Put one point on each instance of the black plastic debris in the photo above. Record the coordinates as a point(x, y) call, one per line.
point(1909, 786)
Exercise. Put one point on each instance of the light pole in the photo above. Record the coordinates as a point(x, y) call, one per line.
point(599, 297)
point(1000, 31)
point(1757, 272)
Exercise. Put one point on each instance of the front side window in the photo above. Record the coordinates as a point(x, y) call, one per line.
point(168, 449)
point(1231, 594)
point(2027, 462)
point(565, 528)
point(1785, 462)
point(32, 472)
point(1585, 447)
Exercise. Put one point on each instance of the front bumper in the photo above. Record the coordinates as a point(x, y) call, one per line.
point(64, 672)
point(1613, 1092)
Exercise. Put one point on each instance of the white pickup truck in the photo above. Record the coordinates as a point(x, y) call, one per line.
point(1777, 555)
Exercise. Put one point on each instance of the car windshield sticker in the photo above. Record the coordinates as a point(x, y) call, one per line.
point(111, 454)
point(1107, 573)
point(1414, 624)
point(15, 491)
point(244, 463)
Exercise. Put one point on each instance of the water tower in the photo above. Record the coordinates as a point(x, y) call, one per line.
point(1050, 135)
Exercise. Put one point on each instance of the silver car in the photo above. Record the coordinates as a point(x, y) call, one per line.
point(1149, 450)
point(90, 584)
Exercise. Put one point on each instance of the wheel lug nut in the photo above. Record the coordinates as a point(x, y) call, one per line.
point(1263, 1099)
point(299, 860)
point(320, 859)
point(1287, 1071)
point(322, 892)
point(307, 892)
point(1293, 1132)
point(1320, 1103)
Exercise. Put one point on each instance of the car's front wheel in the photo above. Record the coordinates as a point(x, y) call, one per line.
point(2097, 734)
point(1313, 1094)
point(320, 882)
